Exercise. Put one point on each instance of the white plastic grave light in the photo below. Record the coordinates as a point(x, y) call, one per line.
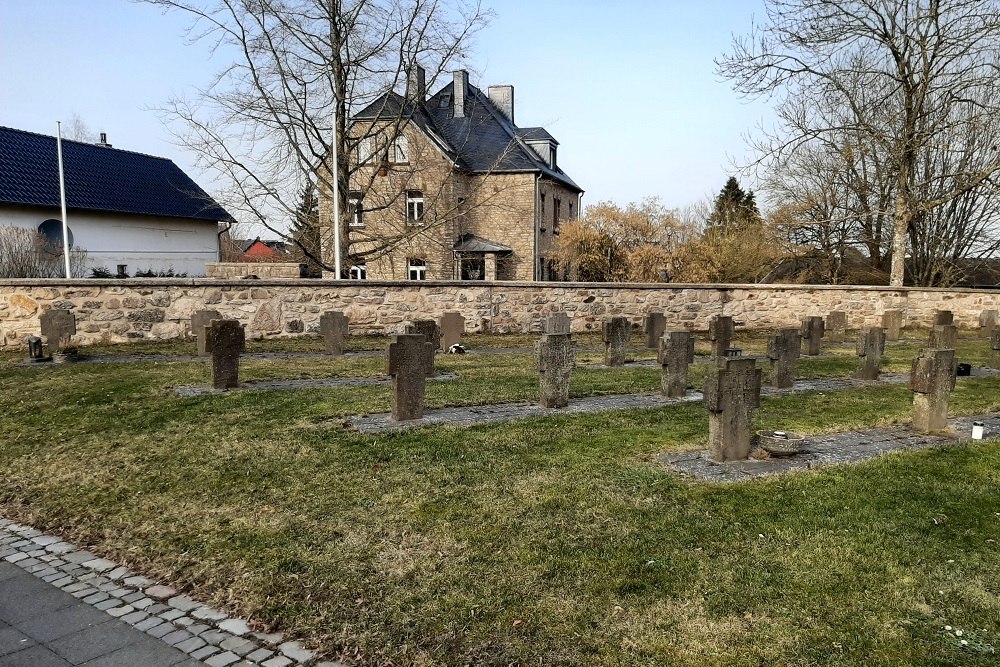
point(780, 434)
point(977, 430)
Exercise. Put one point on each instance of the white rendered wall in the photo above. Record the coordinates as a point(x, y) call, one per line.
point(141, 242)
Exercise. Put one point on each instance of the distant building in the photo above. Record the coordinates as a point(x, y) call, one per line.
point(125, 209)
point(263, 251)
point(448, 187)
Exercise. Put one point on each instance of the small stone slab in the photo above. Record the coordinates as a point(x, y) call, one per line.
point(333, 326)
point(58, 328)
point(987, 323)
point(892, 322)
point(557, 323)
point(228, 341)
point(452, 327)
point(995, 349)
point(943, 317)
point(836, 326)
point(409, 361)
point(200, 320)
point(943, 337)
point(653, 325)
point(616, 332)
point(555, 359)
point(721, 330)
point(36, 350)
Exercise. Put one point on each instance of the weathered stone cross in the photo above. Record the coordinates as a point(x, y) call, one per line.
point(555, 359)
point(333, 326)
point(653, 325)
point(720, 332)
point(410, 362)
point(228, 341)
point(892, 322)
point(732, 393)
point(452, 327)
point(812, 334)
point(675, 353)
point(616, 331)
point(932, 378)
point(58, 327)
point(200, 319)
point(836, 326)
point(783, 349)
point(871, 347)
point(431, 332)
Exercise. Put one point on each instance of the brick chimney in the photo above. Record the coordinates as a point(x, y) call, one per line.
point(416, 83)
point(503, 99)
point(461, 88)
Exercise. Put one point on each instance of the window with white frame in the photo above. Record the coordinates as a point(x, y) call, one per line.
point(355, 209)
point(416, 269)
point(401, 150)
point(359, 272)
point(414, 207)
point(366, 149)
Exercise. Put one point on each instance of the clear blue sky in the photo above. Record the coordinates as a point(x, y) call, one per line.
point(628, 88)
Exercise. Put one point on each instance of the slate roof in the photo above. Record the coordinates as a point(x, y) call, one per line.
point(473, 243)
point(483, 140)
point(98, 178)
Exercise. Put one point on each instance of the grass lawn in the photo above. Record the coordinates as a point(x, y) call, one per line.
point(550, 541)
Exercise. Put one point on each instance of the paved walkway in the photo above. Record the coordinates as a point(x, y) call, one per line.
point(61, 605)
point(43, 626)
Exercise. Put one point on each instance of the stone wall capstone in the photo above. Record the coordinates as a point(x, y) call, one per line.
point(159, 309)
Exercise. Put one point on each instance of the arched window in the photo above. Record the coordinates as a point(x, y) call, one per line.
point(51, 229)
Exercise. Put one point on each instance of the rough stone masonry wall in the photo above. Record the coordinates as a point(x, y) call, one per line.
point(122, 310)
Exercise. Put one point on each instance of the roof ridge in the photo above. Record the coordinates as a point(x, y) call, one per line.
point(86, 143)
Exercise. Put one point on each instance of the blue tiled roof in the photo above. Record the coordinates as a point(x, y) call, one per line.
point(98, 178)
point(483, 140)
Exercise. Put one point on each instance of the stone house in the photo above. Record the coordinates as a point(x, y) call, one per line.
point(448, 187)
point(129, 211)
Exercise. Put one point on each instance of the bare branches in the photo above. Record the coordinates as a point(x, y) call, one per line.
point(900, 79)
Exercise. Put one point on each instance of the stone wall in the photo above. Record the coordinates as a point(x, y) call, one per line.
point(122, 310)
point(259, 269)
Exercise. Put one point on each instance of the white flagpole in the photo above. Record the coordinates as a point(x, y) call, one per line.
point(336, 197)
point(62, 198)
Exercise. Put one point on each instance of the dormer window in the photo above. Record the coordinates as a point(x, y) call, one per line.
point(445, 101)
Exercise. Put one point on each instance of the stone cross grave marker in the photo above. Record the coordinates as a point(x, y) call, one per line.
point(675, 353)
point(654, 324)
point(732, 393)
point(836, 326)
point(431, 332)
point(555, 359)
point(720, 332)
point(932, 378)
point(199, 320)
point(783, 349)
point(58, 327)
point(871, 347)
point(452, 328)
point(995, 349)
point(616, 331)
point(812, 334)
point(557, 323)
point(943, 337)
point(333, 326)
point(228, 341)
point(987, 323)
point(892, 322)
point(410, 361)
point(944, 317)
point(36, 351)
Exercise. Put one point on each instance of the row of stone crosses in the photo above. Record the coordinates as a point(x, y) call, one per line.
point(732, 387)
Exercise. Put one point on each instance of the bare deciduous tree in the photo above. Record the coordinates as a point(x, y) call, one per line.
point(265, 124)
point(897, 77)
